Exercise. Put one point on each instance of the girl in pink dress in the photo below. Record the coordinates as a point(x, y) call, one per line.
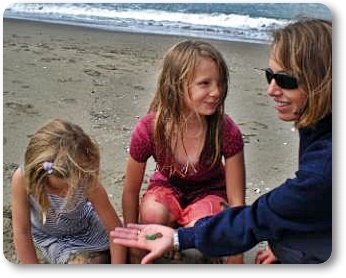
point(197, 148)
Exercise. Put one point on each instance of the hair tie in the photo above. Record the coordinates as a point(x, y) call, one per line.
point(48, 166)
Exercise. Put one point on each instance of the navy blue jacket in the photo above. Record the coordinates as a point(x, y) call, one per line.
point(295, 218)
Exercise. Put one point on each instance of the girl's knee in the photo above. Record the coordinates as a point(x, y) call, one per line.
point(153, 212)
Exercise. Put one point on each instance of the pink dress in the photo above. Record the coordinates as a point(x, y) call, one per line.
point(207, 181)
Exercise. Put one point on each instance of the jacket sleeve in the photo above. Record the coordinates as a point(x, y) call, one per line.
point(300, 205)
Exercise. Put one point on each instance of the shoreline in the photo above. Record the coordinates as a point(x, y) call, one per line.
point(137, 31)
point(104, 80)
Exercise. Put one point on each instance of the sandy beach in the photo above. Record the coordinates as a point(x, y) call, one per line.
point(104, 81)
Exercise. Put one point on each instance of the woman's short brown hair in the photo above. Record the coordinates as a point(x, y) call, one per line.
point(304, 49)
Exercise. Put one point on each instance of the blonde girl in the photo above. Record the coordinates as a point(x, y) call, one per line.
point(58, 203)
point(198, 149)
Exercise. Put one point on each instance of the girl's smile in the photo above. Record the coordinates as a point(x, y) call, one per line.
point(204, 91)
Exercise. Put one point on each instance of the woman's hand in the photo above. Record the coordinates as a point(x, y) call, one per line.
point(157, 239)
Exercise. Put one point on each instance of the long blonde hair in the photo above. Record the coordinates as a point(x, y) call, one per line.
point(168, 103)
point(304, 48)
point(75, 157)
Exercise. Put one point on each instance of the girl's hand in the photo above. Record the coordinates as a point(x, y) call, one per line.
point(157, 239)
point(265, 257)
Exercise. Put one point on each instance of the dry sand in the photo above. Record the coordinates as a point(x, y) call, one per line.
point(104, 81)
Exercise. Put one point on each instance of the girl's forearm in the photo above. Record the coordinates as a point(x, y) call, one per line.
point(118, 253)
point(25, 250)
point(236, 199)
point(130, 208)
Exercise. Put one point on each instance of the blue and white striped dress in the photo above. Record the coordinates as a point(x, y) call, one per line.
point(67, 230)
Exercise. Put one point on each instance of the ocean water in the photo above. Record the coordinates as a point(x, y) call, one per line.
point(226, 21)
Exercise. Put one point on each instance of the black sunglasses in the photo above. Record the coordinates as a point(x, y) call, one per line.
point(282, 79)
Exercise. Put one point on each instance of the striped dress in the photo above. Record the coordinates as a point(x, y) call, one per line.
point(67, 230)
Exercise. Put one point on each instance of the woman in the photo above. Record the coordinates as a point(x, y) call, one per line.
point(296, 217)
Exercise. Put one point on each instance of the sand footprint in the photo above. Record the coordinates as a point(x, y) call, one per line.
point(107, 67)
point(91, 72)
point(21, 108)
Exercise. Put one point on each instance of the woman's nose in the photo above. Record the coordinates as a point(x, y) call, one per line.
point(273, 89)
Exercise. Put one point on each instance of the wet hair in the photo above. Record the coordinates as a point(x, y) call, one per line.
point(75, 157)
point(176, 74)
point(304, 49)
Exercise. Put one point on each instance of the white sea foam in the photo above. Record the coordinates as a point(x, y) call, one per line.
point(219, 24)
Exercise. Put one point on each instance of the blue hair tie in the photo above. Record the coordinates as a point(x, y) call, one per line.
point(48, 167)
